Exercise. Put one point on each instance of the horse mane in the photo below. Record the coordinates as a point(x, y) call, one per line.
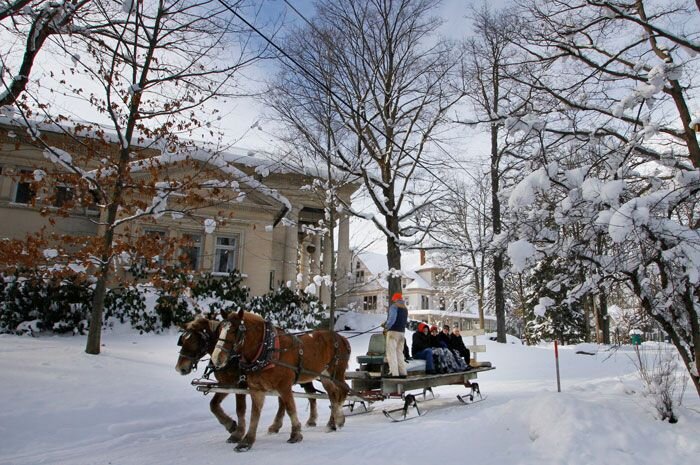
point(250, 316)
point(200, 323)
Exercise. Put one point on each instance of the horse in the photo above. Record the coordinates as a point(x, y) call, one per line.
point(274, 361)
point(199, 339)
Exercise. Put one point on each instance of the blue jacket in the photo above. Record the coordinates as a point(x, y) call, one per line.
point(398, 317)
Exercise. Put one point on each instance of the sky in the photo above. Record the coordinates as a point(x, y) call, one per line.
point(248, 125)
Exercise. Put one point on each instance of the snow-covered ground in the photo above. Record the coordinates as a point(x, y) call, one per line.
point(128, 406)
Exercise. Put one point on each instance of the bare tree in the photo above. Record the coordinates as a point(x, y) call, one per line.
point(391, 84)
point(35, 21)
point(462, 237)
point(491, 58)
point(156, 69)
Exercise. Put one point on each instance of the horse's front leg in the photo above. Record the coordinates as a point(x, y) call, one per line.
point(313, 415)
point(220, 414)
point(279, 418)
point(288, 399)
point(258, 400)
point(239, 431)
point(337, 398)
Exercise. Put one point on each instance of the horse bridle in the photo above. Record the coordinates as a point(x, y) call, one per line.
point(234, 351)
point(203, 350)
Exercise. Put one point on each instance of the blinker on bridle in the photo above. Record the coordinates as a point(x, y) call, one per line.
point(236, 346)
point(202, 350)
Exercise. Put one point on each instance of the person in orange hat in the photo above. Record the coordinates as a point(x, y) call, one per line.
point(421, 348)
point(395, 327)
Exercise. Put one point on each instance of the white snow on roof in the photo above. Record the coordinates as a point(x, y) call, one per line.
point(375, 262)
point(427, 266)
point(417, 281)
point(443, 313)
point(263, 161)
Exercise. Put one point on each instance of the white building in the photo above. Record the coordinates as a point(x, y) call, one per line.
point(370, 293)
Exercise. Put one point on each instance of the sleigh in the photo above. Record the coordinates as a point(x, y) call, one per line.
point(370, 380)
point(370, 383)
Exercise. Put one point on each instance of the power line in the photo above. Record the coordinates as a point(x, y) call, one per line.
point(329, 90)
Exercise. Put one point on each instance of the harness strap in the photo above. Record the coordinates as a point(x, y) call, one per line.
point(264, 358)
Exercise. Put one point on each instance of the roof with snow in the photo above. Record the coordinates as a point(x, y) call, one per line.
point(261, 161)
point(373, 261)
point(377, 266)
point(428, 266)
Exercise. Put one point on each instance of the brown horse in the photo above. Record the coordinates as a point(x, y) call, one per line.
point(199, 339)
point(276, 361)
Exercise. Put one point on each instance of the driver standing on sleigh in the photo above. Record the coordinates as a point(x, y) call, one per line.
point(394, 329)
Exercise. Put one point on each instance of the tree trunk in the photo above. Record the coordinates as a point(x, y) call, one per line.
point(603, 320)
point(98, 302)
point(393, 253)
point(499, 300)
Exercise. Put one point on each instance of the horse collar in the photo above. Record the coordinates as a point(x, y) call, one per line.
point(264, 357)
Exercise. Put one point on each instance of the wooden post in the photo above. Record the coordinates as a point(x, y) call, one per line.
point(556, 358)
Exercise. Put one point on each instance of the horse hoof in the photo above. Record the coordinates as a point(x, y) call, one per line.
point(242, 447)
point(272, 430)
point(331, 428)
point(311, 424)
point(233, 439)
point(296, 438)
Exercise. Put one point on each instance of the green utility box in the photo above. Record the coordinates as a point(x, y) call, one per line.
point(636, 339)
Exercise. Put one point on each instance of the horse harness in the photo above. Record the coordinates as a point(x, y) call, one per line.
point(268, 354)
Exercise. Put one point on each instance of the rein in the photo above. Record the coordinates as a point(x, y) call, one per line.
point(358, 333)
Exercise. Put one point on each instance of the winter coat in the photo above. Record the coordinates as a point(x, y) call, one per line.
point(457, 343)
point(420, 342)
point(444, 340)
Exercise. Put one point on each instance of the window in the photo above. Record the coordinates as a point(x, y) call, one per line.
point(370, 302)
point(24, 193)
point(63, 196)
point(442, 303)
point(360, 276)
point(191, 251)
point(226, 254)
point(424, 302)
point(154, 241)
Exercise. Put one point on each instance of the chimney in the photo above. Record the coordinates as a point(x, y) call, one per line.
point(422, 257)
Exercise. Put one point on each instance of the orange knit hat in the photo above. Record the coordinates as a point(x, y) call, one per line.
point(396, 296)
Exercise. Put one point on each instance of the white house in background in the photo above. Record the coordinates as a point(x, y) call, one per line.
point(370, 293)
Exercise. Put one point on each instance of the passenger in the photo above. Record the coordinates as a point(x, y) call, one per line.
point(457, 344)
point(434, 340)
point(395, 327)
point(444, 337)
point(421, 348)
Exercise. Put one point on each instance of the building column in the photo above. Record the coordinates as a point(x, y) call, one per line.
point(291, 249)
point(325, 295)
point(342, 263)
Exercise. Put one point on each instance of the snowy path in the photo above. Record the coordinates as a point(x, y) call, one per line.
point(128, 406)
